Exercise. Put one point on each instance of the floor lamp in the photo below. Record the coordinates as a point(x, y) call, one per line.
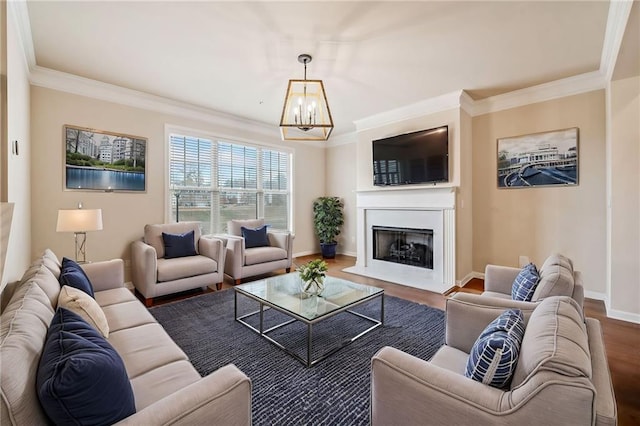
point(80, 221)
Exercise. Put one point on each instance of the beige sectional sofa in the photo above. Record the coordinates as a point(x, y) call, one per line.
point(561, 376)
point(167, 389)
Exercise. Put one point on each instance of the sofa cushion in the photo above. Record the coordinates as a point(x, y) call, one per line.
point(256, 255)
point(73, 275)
point(114, 296)
point(81, 379)
point(234, 226)
point(494, 355)
point(154, 385)
point(255, 237)
point(184, 267)
point(23, 329)
point(127, 315)
point(525, 283)
point(179, 245)
point(153, 233)
point(50, 260)
point(45, 279)
point(555, 340)
point(80, 303)
point(555, 280)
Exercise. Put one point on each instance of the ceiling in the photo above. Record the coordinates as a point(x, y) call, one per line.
point(236, 57)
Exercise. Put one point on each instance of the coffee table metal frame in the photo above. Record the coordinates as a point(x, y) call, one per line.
point(264, 305)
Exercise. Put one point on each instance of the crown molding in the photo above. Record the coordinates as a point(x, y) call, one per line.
point(619, 12)
point(570, 86)
point(342, 139)
point(65, 82)
point(428, 106)
point(20, 13)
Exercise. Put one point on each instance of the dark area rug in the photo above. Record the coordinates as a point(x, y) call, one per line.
point(285, 392)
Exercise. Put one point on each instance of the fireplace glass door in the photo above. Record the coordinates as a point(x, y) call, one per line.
point(407, 246)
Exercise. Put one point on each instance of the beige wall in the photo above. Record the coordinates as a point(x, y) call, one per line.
point(125, 214)
point(17, 165)
point(341, 182)
point(538, 221)
point(625, 196)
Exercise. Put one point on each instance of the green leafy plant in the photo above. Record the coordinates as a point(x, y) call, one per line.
point(328, 218)
point(313, 273)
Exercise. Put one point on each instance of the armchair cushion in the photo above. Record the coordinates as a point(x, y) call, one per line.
point(74, 276)
point(256, 255)
point(183, 267)
point(556, 278)
point(179, 245)
point(81, 379)
point(494, 355)
point(255, 237)
point(153, 233)
point(525, 283)
point(234, 226)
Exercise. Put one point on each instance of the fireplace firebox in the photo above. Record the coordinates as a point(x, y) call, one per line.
point(407, 246)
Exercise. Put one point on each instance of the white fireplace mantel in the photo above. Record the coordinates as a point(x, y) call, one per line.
point(431, 208)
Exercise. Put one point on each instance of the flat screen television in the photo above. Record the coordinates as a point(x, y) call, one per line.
point(412, 158)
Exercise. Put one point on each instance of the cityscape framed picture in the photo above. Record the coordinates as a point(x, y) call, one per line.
point(539, 159)
point(97, 160)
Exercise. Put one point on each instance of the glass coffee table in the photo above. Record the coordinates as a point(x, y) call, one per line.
point(283, 293)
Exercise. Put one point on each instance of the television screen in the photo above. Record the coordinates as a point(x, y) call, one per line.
point(418, 157)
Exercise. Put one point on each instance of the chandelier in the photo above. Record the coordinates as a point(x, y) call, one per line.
point(305, 114)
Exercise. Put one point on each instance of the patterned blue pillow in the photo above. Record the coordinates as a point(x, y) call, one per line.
point(525, 283)
point(494, 355)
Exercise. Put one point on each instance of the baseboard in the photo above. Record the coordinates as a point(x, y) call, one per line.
point(623, 316)
point(305, 253)
point(596, 295)
point(471, 275)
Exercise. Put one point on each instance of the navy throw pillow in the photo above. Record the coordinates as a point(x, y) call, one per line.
point(525, 283)
point(73, 275)
point(179, 245)
point(494, 354)
point(255, 237)
point(81, 379)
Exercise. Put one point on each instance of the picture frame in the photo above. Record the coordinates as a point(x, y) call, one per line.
point(539, 159)
point(98, 160)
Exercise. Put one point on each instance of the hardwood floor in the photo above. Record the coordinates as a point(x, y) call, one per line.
point(622, 339)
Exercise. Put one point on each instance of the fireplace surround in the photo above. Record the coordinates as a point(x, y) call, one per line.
point(430, 210)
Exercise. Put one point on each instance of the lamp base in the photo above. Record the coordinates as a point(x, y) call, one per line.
point(81, 240)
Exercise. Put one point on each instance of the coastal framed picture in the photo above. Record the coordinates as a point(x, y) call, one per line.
point(97, 160)
point(539, 159)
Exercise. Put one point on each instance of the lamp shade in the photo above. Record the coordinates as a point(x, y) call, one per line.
point(79, 220)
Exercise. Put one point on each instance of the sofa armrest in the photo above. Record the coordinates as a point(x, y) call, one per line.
point(144, 268)
point(105, 275)
point(468, 314)
point(406, 390)
point(499, 278)
point(221, 398)
point(606, 411)
point(212, 248)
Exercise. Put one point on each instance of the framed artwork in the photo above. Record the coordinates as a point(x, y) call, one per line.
point(96, 160)
point(539, 159)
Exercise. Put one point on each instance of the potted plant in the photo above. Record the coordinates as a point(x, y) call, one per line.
point(328, 217)
point(312, 274)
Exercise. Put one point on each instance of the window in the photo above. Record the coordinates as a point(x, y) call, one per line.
point(215, 181)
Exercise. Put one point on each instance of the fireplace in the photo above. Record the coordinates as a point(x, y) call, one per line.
point(406, 246)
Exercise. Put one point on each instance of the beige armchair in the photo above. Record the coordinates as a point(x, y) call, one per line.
point(557, 278)
point(242, 262)
point(561, 377)
point(154, 275)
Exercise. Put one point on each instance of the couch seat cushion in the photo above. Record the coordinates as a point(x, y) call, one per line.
point(114, 296)
point(81, 378)
point(256, 255)
point(127, 315)
point(162, 381)
point(184, 267)
point(451, 359)
point(145, 348)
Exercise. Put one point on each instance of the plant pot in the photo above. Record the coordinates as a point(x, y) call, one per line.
point(314, 287)
point(328, 250)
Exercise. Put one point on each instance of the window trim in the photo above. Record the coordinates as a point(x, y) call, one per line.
point(170, 129)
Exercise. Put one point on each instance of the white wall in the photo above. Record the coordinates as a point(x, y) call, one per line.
point(125, 214)
point(624, 291)
point(17, 165)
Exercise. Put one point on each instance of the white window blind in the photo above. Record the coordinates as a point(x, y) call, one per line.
point(215, 181)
